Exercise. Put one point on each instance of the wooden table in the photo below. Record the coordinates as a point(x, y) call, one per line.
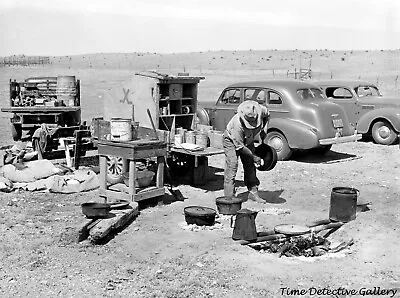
point(132, 151)
point(199, 171)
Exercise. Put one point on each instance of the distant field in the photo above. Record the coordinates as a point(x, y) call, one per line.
point(101, 72)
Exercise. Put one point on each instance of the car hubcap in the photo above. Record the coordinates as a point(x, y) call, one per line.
point(277, 143)
point(384, 132)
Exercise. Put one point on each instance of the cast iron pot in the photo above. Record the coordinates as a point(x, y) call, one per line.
point(269, 156)
point(201, 216)
point(96, 210)
point(228, 205)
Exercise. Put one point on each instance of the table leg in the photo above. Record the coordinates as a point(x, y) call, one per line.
point(65, 144)
point(132, 179)
point(200, 171)
point(160, 172)
point(103, 172)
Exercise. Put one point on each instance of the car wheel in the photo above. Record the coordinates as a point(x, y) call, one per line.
point(278, 141)
point(16, 131)
point(116, 167)
point(383, 133)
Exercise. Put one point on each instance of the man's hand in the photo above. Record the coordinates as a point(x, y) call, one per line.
point(257, 160)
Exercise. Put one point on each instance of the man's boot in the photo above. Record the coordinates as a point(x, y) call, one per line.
point(253, 195)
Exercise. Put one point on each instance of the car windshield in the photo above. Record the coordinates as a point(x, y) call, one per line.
point(310, 94)
point(367, 91)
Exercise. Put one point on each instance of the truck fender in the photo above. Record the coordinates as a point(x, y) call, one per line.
point(389, 114)
point(298, 134)
point(202, 116)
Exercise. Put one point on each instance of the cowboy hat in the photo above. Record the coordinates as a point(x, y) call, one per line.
point(250, 113)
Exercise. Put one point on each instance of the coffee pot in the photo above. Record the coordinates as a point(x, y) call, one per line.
point(245, 225)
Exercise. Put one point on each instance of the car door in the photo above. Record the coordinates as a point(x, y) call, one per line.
point(225, 108)
point(345, 98)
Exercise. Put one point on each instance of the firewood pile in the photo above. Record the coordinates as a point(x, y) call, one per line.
point(308, 246)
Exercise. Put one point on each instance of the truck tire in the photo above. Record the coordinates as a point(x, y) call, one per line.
point(278, 141)
point(383, 133)
point(16, 131)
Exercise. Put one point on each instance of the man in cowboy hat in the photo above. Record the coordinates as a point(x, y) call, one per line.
point(239, 135)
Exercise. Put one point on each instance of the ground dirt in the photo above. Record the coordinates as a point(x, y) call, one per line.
point(158, 255)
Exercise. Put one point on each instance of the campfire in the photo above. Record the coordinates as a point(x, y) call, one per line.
point(296, 246)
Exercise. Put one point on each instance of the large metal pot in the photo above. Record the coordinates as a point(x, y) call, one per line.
point(96, 210)
point(228, 205)
point(201, 216)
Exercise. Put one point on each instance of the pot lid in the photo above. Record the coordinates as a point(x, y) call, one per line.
point(199, 211)
point(291, 229)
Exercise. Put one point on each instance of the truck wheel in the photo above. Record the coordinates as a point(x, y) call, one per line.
point(16, 131)
point(278, 141)
point(383, 133)
point(116, 167)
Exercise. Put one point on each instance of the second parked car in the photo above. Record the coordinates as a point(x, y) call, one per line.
point(367, 110)
point(301, 116)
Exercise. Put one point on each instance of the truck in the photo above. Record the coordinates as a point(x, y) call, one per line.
point(50, 101)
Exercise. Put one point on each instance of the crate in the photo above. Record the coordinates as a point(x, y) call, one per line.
point(100, 128)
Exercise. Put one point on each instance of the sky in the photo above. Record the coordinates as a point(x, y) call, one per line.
point(73, 27)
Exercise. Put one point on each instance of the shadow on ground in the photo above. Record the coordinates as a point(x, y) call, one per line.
point(311, 156)
point(272, 197)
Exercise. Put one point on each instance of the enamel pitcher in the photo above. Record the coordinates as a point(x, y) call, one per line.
point(245, 225)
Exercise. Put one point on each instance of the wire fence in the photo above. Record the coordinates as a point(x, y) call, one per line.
point(24, 60)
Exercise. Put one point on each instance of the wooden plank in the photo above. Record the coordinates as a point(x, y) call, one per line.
point(131, 153)
point(134, 144)
point(117, 220)
point(209, 151)
point(147, 194)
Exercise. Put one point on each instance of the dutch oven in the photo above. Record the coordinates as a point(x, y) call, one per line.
point(228, 205)
point(201, 216)
point(268, 155)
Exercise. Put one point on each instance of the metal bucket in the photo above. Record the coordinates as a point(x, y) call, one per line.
point(343, 204)
point(121, 129)
point(66, 90)
point(201, 139)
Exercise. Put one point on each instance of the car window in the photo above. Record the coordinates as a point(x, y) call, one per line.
point(274, 98)
point(310, 94)
point(258, 95)
point(367, 91)
point(338, 93)
point(230, 96)
point(317, 93)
